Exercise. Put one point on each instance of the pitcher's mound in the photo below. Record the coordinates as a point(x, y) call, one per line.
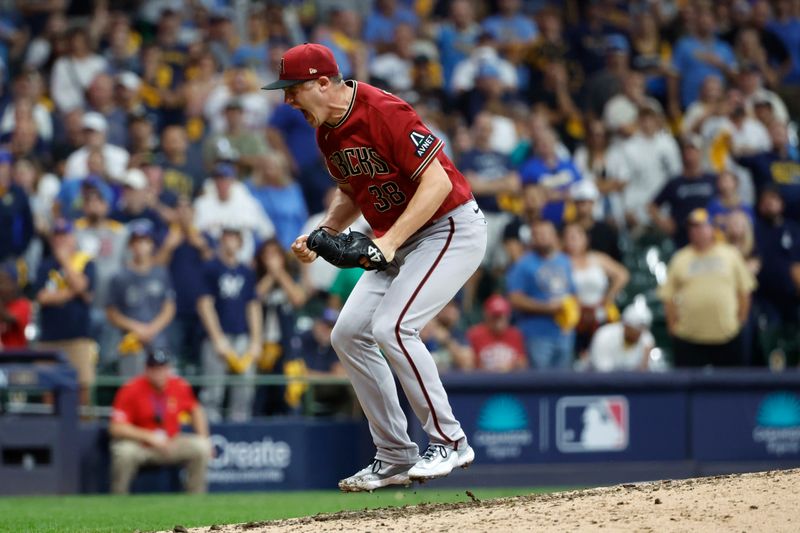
point(766, 501)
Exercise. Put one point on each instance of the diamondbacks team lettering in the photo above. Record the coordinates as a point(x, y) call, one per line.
point(359, 160)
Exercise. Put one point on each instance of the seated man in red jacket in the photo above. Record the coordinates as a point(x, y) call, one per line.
point(146, 423)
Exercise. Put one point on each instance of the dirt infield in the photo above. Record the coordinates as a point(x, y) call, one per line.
point(766, 501)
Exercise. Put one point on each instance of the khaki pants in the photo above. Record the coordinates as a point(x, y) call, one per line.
point(81, 353)
point(127, 456)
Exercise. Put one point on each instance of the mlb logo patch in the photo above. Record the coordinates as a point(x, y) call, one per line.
point(592, 424)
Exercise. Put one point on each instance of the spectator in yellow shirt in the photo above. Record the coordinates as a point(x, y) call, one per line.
point(706, 298)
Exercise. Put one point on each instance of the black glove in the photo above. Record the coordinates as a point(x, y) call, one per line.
point(347, 250)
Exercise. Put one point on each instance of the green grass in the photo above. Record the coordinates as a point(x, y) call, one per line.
point(154, 512)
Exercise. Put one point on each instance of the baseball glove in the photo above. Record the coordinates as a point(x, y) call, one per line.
point(347, 250)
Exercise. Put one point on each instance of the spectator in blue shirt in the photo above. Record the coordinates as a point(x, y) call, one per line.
point(70, 196)
point(64, 286)
point(538, 286)
point(457, 38)
point(546, 169)
point(779, 168)
point(280, 196)
point(695, 57)
point(231, 315)
point(683, 194)
point(383, 20)
point(288, 129)
point(509, 26)
point(16, 219)
point(254, 47)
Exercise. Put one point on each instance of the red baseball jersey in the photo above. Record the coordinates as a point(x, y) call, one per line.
point(496, 353)
point(142, 405)
point(380, 147)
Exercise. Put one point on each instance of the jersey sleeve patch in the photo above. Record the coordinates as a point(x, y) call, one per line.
point(422, 142)
point(430, 152)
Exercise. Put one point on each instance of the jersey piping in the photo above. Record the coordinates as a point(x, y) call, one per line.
point(349, 107)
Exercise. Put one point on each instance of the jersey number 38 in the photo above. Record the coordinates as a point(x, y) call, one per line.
point(386, 195)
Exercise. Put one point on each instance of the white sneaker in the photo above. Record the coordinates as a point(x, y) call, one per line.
point(376, 475)
point(466, 456)
point(439, 460)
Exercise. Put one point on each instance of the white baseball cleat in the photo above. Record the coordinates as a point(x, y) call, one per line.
point(376, 475)
point(439, 460)
point(465, 457)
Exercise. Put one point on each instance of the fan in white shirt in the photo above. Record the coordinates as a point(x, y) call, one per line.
point(227, 203)
point(73, 72)
point(466, 71)
point(652, 157)
point(751, 83)
point(624, 345)
point(94, 129)
point(745, 133)
point(24, 107)
point(708, 105)
point(622, 110)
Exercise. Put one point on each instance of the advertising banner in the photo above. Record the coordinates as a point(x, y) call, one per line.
point(744, 425)
point(523, 427)
point(246, 457)
point(283, 455)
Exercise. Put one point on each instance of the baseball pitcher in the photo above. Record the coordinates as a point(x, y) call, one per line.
point(430, 238)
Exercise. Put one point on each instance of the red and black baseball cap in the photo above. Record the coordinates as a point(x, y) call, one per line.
point(304, 62)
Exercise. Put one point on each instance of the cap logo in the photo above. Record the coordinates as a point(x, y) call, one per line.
point(283, 70)
point(312, 71)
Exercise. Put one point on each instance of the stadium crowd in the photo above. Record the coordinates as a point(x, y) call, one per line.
point(637, 162)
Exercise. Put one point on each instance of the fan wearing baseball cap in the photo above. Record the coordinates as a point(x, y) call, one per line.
point(624, 345)
point(390, 167)
point(146, 421)
point(95, 130)
point(706, 298)
point(498, 346)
